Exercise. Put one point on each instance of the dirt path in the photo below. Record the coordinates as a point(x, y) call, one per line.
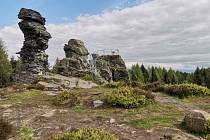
point(179, 103)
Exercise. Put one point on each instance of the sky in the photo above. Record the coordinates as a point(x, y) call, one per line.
point(166, 33)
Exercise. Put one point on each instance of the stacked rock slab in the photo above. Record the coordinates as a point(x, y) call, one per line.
point(111, 67)
point(34, 60)
point(75, 64)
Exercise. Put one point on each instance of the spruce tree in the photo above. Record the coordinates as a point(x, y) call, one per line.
point(172, 76)
point(136, 74)
point(207, 77)
point(145, 73)
point(155, 77)
point(5, 66)
point(55, 68)
point(197, 76)
point(165, 76)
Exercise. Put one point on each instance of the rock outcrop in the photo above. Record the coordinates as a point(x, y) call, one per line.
point(111, 67)
point(34, 60)
point(55, 82)
point(195, 121)
point(75, 64)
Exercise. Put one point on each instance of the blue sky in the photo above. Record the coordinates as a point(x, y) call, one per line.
point(56, 11)
point(167, 33)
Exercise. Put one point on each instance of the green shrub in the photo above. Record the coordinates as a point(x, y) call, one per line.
point(136, 84)
point(123, 90)
point(155, 87)
point(87, 77)
point(26, 132)
point(86, 134)
point(208, 137)
point(148, 94)
point(5, 129)
point(126, 98)
point(186, 90)
point(116, 84)
point(67, 98)
point(207, 126)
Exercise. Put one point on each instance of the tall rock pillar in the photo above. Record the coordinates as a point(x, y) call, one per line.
point(34, 60)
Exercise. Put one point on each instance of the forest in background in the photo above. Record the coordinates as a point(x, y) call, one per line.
point(201, 76)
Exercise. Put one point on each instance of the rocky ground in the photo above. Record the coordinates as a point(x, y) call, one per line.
point(154, 122)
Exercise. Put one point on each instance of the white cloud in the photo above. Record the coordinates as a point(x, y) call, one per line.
point(160, 32)
point(65, 19)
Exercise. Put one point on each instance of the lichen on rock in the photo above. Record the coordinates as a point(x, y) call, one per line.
point(196, 120)
point(75, 64)
point(111, 67)
point(34, 60)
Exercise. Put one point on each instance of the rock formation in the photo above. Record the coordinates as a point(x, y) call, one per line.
point(75, 64)
point(195, 121)
point(55, 82)
point(34, 60)
point(111, 67)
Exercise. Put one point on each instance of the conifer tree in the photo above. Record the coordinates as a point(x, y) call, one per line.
point(5, 66)
point(145, 73)
point(154, 75)
point(207, 77)
point(136, 74)
point(172, 76)
point(56, 66)
point(165, 76)
point(197, 76)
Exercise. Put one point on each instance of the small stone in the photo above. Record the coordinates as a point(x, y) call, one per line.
point(86, 120)
point(112, 121)
point(63, 111)
point(8, 111)
point(150, 131)
point(98, 103)
point(121, 125)
point(11, 139)
point(132, 132)
point(49, 114)
point(6, 105)
point(50, 93)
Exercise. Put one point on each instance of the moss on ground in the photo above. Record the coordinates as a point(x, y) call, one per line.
point(26, 97)
point(151, 122)
point(153, 116)
point(18, 97)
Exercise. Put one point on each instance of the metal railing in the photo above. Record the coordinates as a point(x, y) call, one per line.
point(108, 52)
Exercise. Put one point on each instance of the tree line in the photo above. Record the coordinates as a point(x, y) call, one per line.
point(201, 76)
